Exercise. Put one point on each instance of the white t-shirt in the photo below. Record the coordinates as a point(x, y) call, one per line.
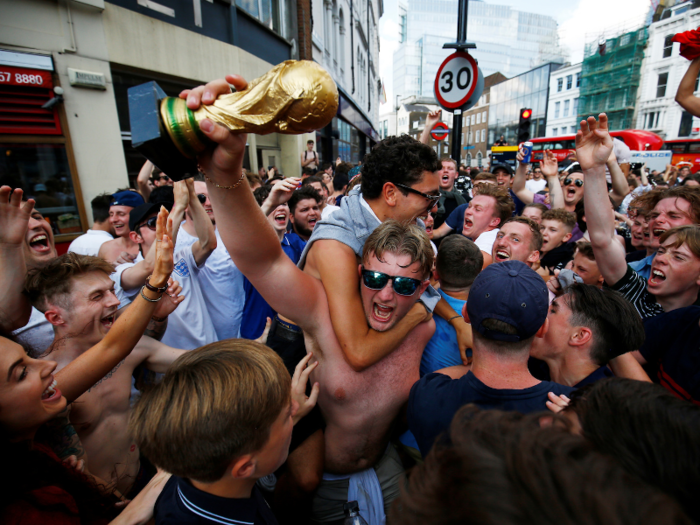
point(330, 208)
point(125, 296)
point(222, 287)
point(189, 326)
point(485, 240)
point(37, 335)
point(536, 185)
point(89, 243)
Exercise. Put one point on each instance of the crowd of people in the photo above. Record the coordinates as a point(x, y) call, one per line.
point(252, 348)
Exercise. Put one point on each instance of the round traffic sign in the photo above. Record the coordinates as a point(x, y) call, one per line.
point(439, 131)
point(456, 80)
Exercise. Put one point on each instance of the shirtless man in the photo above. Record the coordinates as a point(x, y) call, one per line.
point(111, 251)
point(364, 373)
point(76, 295)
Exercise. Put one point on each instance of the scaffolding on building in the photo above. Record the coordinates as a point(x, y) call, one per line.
point(610, 77)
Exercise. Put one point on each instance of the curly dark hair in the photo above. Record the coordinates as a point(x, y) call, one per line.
point(398, 160)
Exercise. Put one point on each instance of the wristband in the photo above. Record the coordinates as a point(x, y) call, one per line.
point(155, 288)
point(453, 318)
point(150, 300)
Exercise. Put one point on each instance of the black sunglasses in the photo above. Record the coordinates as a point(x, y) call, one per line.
point(432, 198)
point(405, 286)
point(577, 182)
point(161, 177)
point(202, 198)
point(151, 223)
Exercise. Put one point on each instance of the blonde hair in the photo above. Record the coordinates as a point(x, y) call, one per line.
point(400, 239)
point(688, 234)
point(214, 405)
point(504, 203)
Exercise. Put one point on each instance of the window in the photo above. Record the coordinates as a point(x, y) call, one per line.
point(483, 135)
point(686, 125)
point(555, 131)
point(478, 118)
point(652, 120)
point(575, 109)
point(483, 117)
point(560, 84)
point(469, 140)
point(557, 106)
point(668, 46)
point(578, 79)
point(573, 130)
point(402, 27)
point(566, 108)
point(569, 79)
point(661, 85)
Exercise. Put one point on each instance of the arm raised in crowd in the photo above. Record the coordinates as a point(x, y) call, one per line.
point(620, 188)
point(203, 227)
point(432, 119)
point(14, 219)
point(280, 193)
point(244, 229)
point(593, 148)
point(90, 367)
point(685, 95)
point(142, 179)
point(520, 179)
point(550, 169)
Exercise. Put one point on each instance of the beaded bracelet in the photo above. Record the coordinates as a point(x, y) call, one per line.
point(148, 299)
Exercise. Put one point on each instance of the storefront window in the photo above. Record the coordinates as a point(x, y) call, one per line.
point(42, 171)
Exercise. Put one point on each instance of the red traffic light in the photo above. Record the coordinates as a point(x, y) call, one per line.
point(526, 113)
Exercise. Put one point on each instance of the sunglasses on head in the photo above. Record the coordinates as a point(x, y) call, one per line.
point(578, 182)
point(202, 198)
point(432, 198)
point(150, 223)
point(405, 286)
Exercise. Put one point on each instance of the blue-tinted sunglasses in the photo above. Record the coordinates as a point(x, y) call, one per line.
point(405, 286)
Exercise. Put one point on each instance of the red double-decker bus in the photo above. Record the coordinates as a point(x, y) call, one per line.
point(562, 147)
point(684, 150)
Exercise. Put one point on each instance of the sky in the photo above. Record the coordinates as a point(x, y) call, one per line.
point(579, 21)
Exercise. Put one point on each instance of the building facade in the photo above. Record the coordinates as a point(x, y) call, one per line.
point(662, 71)
point(508, 41)
point(562, 110)
point(345, 41)
point(476, 126)
point(528, 90)
point(95, 50)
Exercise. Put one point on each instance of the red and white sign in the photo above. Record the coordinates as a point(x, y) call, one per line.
point(456, 80)
point(19, 76)
point(439, 131)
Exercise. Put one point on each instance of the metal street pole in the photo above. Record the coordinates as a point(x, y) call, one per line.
point(460, 45)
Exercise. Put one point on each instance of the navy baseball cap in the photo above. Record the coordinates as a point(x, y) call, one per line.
point(505, 167)
point(127, 198)
point(510, 292)
point(141, 213)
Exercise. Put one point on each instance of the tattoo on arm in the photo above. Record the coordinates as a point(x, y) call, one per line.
point(155, 329)
point(60, 435)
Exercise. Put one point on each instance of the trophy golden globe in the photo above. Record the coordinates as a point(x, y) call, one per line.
point(294, 97)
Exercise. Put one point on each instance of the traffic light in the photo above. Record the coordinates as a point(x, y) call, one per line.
point(524, 125)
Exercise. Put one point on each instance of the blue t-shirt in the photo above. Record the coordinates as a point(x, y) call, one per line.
point(672, 351)
point(256, 310)
point(436, 398)
point(643, 266)
point(442, 350)
point(181, 503)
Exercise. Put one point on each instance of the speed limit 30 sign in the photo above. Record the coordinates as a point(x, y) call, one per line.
point(456, 80)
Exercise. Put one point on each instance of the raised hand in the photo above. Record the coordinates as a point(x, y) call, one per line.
point(14, 215)
point(281, 192)
point(549, 164)
point(163, 266)
point(171, 299)
point(433, 118)
point(224, 162)
point(299, 380)
point(593, 143)
point(181, 192)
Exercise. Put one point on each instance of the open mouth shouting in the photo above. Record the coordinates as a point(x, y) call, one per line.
point(657, 276)
point(108, 321)
point(502, 254)
point(280, 219)
point(40, 243)
point(381, 312)
point(571, 193)
point(658, 232)
point(312, 223)
point(52, 393)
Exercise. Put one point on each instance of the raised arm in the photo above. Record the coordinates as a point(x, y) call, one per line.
point(90, 367)
point(685, 95)
point(142, 179)
point(432, 119)
point(520, 179)
point(203, 227)
point(245, 231)
point(281, 192)
point(550, 169)
point(593, 148)
point(14, 219)
point(620, 188)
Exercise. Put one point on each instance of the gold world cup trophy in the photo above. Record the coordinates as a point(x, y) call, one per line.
point(294, 97)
